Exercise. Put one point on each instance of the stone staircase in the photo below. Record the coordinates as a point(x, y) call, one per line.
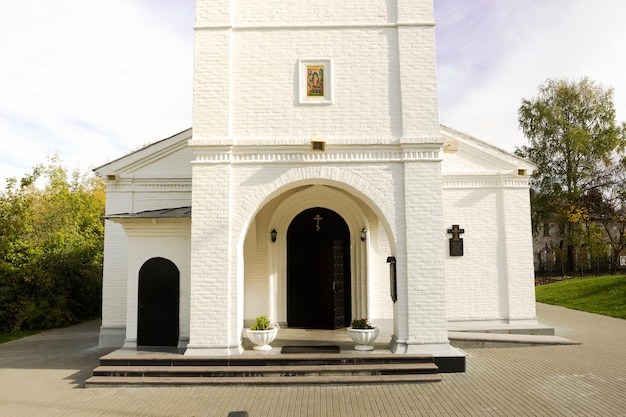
point(503, 335)
point(288, 369)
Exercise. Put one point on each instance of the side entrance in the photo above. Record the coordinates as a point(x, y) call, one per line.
point(318, 270)
point(158, 303)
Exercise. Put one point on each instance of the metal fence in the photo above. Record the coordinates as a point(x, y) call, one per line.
point(554, 271)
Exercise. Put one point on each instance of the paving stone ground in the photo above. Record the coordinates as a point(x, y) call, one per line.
point(43, 375)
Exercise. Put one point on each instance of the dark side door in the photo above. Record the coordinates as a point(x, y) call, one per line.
point(159, 287)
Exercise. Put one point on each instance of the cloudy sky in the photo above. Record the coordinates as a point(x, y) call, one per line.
point(94, 80)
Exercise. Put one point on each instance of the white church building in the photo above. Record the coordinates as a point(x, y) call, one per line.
point(315, 186)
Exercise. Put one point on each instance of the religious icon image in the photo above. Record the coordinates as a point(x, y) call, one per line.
point(315, 81)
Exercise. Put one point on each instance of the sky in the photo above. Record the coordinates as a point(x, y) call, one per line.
point(92, 81)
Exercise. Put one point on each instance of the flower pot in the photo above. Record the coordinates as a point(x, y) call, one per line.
point(262, 338)
point(363, 337)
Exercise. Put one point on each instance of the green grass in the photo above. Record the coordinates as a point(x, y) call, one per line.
point(8, 336)
point(602, 295)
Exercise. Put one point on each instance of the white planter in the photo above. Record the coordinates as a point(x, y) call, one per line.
point(262, 338)
point(363, 337)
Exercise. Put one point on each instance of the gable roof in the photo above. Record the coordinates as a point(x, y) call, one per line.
point(467, 155)
point(148, 155)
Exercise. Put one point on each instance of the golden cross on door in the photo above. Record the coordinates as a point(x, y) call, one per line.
point(317, 218)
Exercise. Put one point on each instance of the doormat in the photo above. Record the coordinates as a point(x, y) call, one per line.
point(310, 349)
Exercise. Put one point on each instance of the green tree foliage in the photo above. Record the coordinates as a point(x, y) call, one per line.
point(51, 246)
point(607, 210)
point(574, 140)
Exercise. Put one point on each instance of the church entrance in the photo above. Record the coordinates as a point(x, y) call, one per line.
point(318, 270)
point(157, 321)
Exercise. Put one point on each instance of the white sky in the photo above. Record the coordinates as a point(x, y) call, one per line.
point(93, 81)
point(493, 53)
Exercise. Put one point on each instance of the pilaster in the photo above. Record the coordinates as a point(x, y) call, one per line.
point(215, 316)
point(418, 72)
point(421, 310)
point(518, 292)
point(212, 69)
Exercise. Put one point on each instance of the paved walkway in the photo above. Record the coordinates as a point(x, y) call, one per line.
point(44, 375)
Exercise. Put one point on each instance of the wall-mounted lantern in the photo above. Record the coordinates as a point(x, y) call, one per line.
point(273, 234)
point(363, 234)
point(393, 285)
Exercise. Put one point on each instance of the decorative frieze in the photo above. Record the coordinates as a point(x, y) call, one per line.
point(291, 156)
point(156, 185)
point(489, 180)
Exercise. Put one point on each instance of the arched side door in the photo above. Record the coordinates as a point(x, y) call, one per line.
point(158, 303)
point(318, 270)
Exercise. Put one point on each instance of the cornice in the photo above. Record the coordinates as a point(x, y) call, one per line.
point(486, 180)
point(314, 26)
point(149, 185)
point(305, 156)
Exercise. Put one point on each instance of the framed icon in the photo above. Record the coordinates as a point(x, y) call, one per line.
point(315, 81)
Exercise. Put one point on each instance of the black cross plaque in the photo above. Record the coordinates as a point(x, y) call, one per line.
point(456, 242)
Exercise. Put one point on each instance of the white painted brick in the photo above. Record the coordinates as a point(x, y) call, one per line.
point(246, 100)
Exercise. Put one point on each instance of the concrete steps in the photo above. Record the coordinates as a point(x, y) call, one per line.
point(264, 370)
point(466, 340)
point(476, 335)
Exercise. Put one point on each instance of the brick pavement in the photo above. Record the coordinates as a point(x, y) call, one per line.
point(43, 375)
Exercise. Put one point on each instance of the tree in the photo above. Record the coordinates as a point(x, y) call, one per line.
point(608, 210)
point(51, 242)
point(573, 139)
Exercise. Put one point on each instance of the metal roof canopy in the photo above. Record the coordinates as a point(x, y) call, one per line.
point(169, 213)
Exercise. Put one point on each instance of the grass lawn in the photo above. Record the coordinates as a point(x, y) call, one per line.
point(8, 336)
point(603, 294)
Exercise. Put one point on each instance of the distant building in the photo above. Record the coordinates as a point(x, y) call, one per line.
point(547, 246)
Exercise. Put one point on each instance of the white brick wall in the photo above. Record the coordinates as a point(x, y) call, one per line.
point(246, 71)
point(484, 195)
point(473, 280)
point(247, 93)
point(299, 12)
point(260, 268)
point(425, 287)
point(169, 239)
point(267, 67)
point(494, 279)
point(153, 178)
point(253, 170)
point(128, 196)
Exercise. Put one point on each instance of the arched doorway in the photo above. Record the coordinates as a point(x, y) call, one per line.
point(158, 303)
point(318, 270)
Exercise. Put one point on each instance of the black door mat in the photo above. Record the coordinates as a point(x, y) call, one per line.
point(310, 349)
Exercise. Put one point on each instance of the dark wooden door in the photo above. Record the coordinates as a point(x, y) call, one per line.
point(157, 321)
point(339, 279)
point(318, 272)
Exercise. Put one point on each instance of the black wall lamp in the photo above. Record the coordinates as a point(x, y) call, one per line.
point(393, 283)
point(363, 234)
point(273, 234)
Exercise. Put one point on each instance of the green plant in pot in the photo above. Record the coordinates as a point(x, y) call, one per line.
point(361, 324)
point(262, 333)
point(362, 334)
point(261, 323)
